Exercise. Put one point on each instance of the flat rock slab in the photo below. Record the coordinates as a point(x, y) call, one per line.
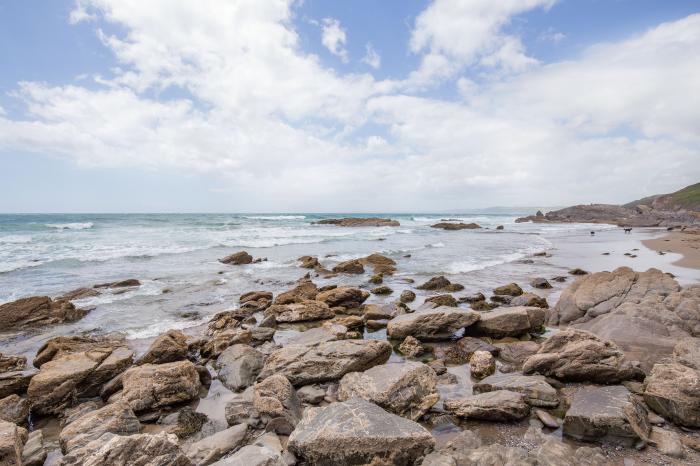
point(358, 432)
point(407, 389)
point(535, 388)
point(440, 323)
point(500, 405)
point(321, 362)
point(606, 414)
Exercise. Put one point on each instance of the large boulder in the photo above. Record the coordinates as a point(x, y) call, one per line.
point(69, 376)
point(358, 432)
point(509, 322)
point(34, 452)
point(277, 403)
point(500, 405)
point(237, 258)
point(238, 366)
point(324, 361)
point(381, 264)
point(644, 313)
point(407, 389)
point(12, 439)
point(440, 283)
point(15, 382)
point(579, 356)
point(117, 418)
point(344, 296)
point(221, 340)
point(535, 388)
point(37, 311)
point(452, 226)
point(300, 312)
point(673, 391)
point(440, 323)
point(687, 352)
point(607, 414)
point(140, 449)
point(511, 289)
point(516, 353)
point(153, 386)
point(169, 347)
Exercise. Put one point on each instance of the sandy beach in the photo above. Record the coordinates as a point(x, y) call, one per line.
point(685, 243)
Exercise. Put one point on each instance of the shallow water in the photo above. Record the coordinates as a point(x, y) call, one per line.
point(175, 256)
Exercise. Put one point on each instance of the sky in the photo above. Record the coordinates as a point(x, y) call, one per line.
point(345, 106)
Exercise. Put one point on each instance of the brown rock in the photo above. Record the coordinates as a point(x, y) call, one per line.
point(306, 289)
point(140, 449)
point(308, 262)
point(277, 402)
point(14, 409)
point(129, 282)
point(117, 418)
point(324, 361)
point(300, 312)
point(512, 289)
point(37, 311)
point(434, 324)
point(411, 347)
point(443, 300)
point(577, 356)
point(12, 439)
point(343, 296)
point(482, 364)
point(169, 347)
point(350, 266)
point(509, 322)
point(155, 386)
point(535, 388)
point(501, 405)
point(530, 300)
point(358, 432)
point(673, 391)
point(359, 222)
point(12, 363)
point(238, 258)
point(450, 226)
point(407, 389)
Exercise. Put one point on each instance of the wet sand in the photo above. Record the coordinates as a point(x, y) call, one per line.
point(687, 244)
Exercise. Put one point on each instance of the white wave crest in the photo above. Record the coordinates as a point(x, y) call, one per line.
point(16, 239)
point(71, 226)
point(275, 217)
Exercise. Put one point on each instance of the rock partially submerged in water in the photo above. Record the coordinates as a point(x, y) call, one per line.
point(453, 226)
point(673, 391)
point(304, 290)
point(579, 356)
point(153, 386)
point(482, 364)
point(500, 405)
point(509, 322)
point(330, 360)
point(237, 258)
point(353, 266)
point(358, 432)
point(535, 388)
point(607, 414)
point(511, 289)
point(37, 311)
point(440, 323)
point(407, 389)
point(345, 297)
point(440, 283)
point(359, 222)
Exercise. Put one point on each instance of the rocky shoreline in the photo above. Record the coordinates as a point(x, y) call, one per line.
point(611, 371)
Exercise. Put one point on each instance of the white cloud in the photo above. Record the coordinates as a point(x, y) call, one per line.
point(253, 108)
point(372, 57)
point(551, 35)
point(463, 33)
point(334, 39)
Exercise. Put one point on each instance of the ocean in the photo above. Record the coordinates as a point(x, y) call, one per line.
point(175, 256)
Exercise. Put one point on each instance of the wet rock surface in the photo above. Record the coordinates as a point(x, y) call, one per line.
point(37, 311)
point(433, 324)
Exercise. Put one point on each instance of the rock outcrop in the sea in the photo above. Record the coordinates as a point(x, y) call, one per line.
point(330, 360)
point(37, 311)
point(237, 258)
point(579, 356)
point(169, 347)
point(453, 226)
point(381, 265)
point(407, 389)
point(359, 222)
point(644, 313)
point(353, 266)
point(358, 432)
point(440, 283)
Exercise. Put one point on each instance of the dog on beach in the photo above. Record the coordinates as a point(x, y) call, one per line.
point(628, 230)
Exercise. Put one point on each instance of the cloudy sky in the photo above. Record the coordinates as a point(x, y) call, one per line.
point(363, 105)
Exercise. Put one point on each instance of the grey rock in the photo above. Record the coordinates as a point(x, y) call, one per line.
point(537, 391)
point(500, 405)
point(238, 366)
point(440, 323)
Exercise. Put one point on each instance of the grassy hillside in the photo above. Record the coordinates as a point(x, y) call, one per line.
point(687, 198)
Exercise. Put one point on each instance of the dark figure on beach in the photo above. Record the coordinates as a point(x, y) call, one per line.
point(628, 230)
point(592, 233)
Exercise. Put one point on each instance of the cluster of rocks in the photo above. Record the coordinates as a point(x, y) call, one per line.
point(326, 395)
point(638, 215)
point(359, 222)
